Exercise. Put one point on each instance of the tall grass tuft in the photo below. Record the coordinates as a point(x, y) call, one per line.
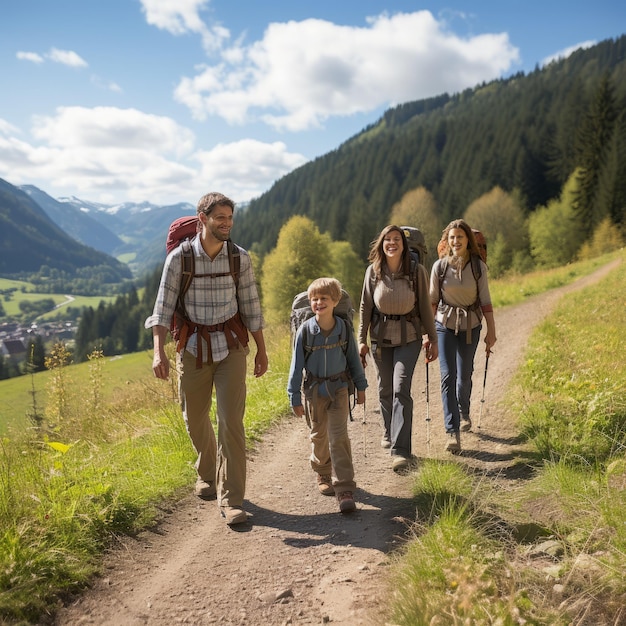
point(57, 407)
point(452, 573)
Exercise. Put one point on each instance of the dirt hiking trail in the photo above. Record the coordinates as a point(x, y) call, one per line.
point(298, 560)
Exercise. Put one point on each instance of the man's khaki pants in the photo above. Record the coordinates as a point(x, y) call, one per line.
point(222, 461)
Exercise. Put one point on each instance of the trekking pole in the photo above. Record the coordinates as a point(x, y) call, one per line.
point(427, 412)
point(364, 431)
point(482, 401)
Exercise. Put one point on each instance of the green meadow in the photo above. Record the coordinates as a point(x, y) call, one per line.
point(24, 293)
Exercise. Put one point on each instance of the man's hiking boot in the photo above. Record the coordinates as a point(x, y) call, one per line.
point(346, 502)
point(233, 515)
point(400, 464)
point(205, 490)
point(466, 423)
point(385, 442)
point(453, 441)
point(325, 485)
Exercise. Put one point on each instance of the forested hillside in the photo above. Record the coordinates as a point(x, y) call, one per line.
point(525, 134)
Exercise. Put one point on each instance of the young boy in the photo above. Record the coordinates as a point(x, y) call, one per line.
point(324, 347)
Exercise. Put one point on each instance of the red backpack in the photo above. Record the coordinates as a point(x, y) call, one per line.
point(180, 229)
point(180, 233)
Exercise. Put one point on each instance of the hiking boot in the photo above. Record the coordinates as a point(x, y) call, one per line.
point(325, 485)
point(385, 442)
point(400, 464)
point(233, 515)
point(205, 490)
point(466, 423)
point(346, 502)
point(453, 441)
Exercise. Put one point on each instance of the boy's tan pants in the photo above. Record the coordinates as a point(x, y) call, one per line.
point(331, 452)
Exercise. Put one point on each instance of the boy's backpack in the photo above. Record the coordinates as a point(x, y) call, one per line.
point(301, 311)
point(417, 243)
point(180, 233)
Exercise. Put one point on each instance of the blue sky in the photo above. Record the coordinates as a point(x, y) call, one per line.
point(164, 100)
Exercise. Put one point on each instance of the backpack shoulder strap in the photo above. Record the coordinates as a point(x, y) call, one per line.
point(477, 269)
point(344, 338)
point(234, 261)
point(188, 266)
point(306, 344)
point(442, 269)
point(413, 279)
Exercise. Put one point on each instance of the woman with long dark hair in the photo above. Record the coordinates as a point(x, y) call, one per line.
point(395, 311)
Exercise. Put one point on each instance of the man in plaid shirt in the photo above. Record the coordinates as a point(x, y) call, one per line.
point(216, 311)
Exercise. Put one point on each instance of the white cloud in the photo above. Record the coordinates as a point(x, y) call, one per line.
point(108, 85)
point(175, 16)
point(183, 16)
point(8, 129)
point(109, 154)
point(66, 57)
point(110, 127)
point(301, 73)
point(563, 54)
point(33, 57)
point(248, 165)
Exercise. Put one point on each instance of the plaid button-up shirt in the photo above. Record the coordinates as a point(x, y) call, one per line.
point(210, 300)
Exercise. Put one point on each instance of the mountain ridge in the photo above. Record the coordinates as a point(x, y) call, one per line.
point(30, 240)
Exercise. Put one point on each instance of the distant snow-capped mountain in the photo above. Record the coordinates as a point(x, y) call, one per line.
point(140, 228)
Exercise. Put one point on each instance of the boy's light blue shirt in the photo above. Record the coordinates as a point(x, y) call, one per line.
point(324, 363)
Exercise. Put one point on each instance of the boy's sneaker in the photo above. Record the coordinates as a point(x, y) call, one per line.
point(466, 423)
point(346, 502)
point(453, 439)
point(385, 442)
point(205, 490)
point(325, 485)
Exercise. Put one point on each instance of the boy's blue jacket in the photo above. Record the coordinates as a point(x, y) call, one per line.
point(324, 362)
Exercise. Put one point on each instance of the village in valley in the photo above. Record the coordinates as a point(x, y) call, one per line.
point(15, 338)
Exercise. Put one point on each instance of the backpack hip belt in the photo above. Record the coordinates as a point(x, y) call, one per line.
point(382, 320)
point(386, 317)
point(234, 330)
point(461, 312)
point(310, 385)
